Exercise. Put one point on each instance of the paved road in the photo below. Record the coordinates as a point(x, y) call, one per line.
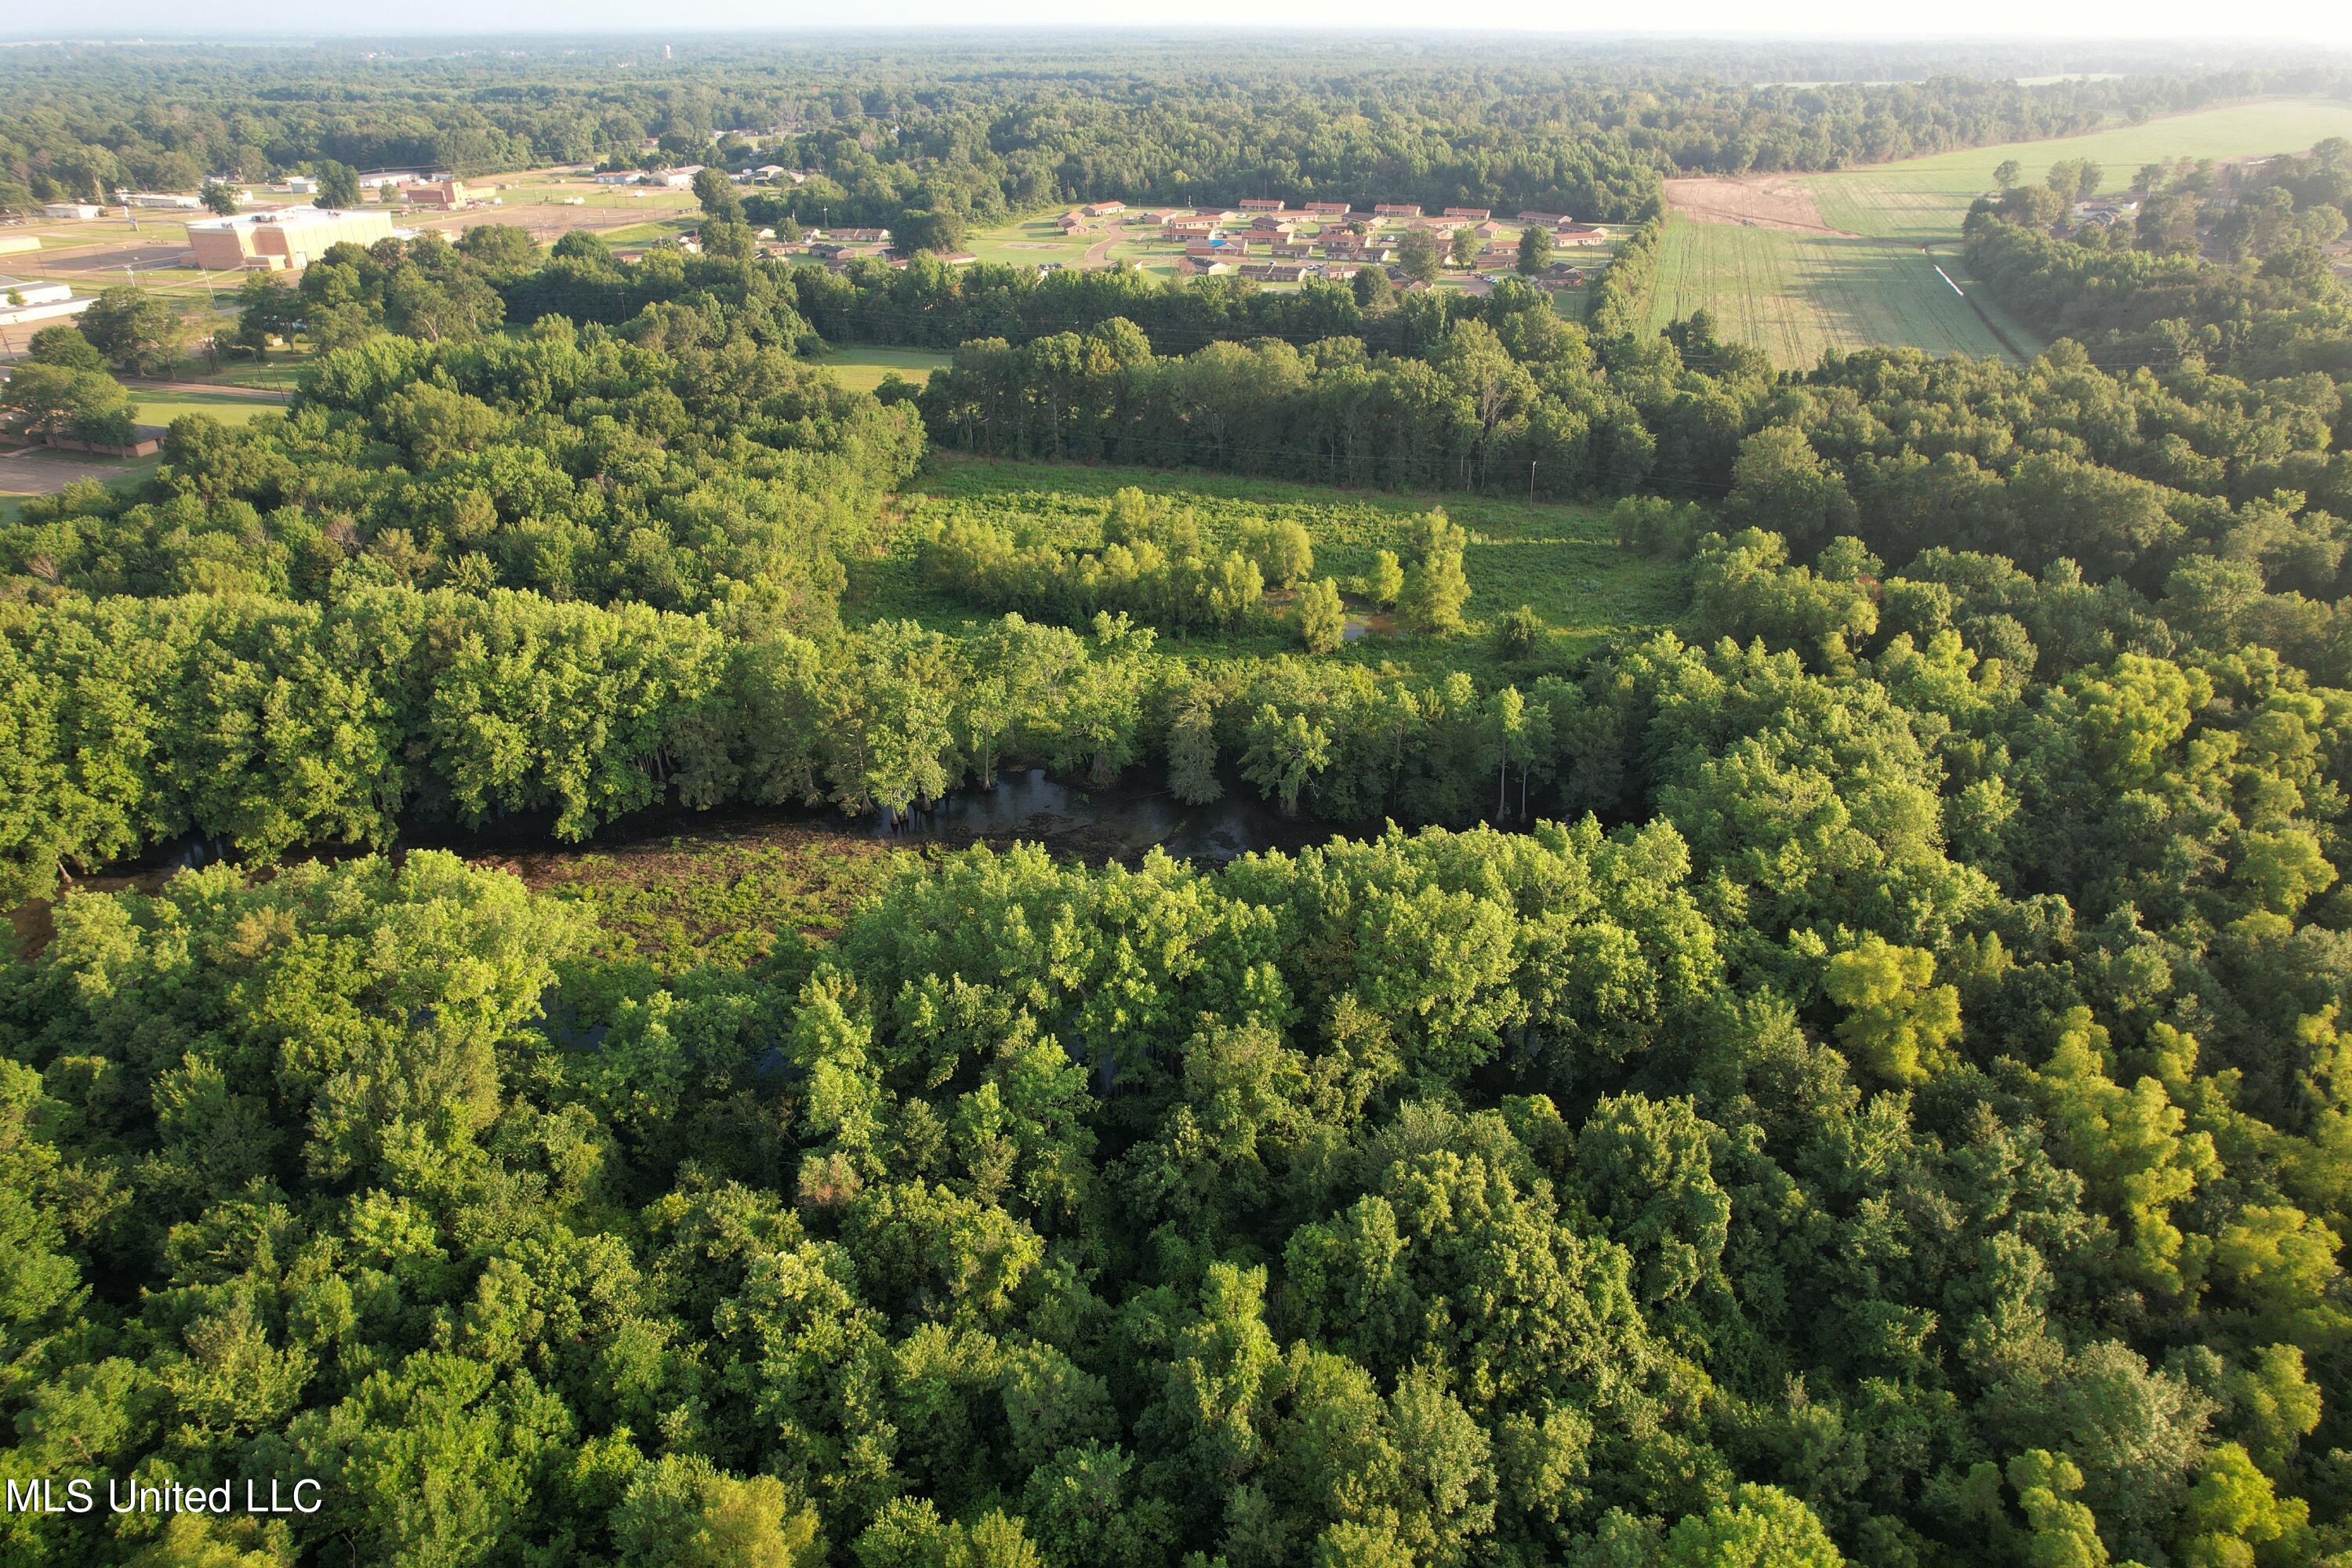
point(113, 258)
point(1097, 255)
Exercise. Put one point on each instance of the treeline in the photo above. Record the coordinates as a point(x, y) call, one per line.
point(2281, 317)
point(679, 465)
point(261, 724)
point(929, 304)
point(1154, 564)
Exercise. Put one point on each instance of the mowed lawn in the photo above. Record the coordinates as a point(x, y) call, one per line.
point(862, 369)
point(1923, 199)
point(1559, 560)
point(1797, 296)
point(1027, 243)
point(163, 408)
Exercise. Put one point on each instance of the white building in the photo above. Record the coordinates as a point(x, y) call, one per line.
point(82, 211)
point(162, 199)
point(26, 302)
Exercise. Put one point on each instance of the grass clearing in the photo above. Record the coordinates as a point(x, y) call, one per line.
point(726, 895)
point(1028, 243)
point(1560, 559)
point(163, 408)
point(862, 369)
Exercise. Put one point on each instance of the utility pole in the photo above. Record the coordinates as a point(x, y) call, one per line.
point(1532, 478)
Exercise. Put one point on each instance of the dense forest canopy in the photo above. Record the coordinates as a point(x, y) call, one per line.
point(1857, 1075)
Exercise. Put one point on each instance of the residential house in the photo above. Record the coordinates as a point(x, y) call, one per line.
point(1202, 266)
point(1072, 221)
point(1106, 209)
point(1338, 271)
point(1290, 251)
point(859, 236)
point(1222, 247)
point(1396, 209)
point(1261, 205)
point(1327, 209)
point(1277, 272)
point(1471, 214)
point(1541, 220)
point(1580, 234)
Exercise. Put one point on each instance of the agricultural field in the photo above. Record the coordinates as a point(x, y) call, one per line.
point(1923, 199)
point(862, 369)
point(1799, 264)
point(1797, 295)
point(1559, 560)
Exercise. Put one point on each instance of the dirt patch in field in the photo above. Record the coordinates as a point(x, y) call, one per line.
point(40, 471)
point(1756, 200)
point(1030, 244)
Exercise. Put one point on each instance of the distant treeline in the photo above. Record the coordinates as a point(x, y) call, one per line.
point(971, 136)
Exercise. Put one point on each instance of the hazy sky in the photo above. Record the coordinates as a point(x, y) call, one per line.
point(2323, 20)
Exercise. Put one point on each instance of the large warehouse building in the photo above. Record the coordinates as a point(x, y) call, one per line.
point(289, 237)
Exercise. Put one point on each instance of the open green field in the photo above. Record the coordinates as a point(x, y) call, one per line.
point(1922, 199)
point(1028, 243)
point(1864, 278)
point(862, 369)
point(1796, 296)
point(1559, 560)
point(163, 408)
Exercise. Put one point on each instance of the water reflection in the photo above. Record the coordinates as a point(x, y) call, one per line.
point(1118, 823)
